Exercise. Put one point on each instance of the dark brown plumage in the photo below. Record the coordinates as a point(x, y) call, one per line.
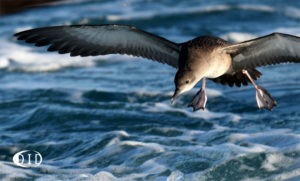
point(267, 50)
point(80, 40)
point(237, 78)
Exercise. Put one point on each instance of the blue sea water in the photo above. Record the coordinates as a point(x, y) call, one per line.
point(110, 117)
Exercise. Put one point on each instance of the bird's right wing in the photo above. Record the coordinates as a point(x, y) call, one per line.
point(92, 40)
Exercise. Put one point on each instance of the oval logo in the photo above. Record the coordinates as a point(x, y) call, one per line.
point(27, 158)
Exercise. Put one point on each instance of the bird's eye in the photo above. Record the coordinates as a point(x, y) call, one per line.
point(187, 81)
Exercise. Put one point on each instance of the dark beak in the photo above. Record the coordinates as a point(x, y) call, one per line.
point(176, 93)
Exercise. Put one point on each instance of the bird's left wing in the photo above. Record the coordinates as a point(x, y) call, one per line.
point(92, 40)
point(271, 49)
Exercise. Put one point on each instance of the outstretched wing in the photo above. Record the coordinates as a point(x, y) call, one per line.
point(92, 40)
point(271, 49)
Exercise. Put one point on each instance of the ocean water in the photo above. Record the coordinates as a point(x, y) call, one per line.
point(110, 117)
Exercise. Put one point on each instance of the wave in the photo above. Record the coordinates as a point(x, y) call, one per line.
point(275, 151)
point(123, 155)
point(256, 7)
point(292, 12)
point(167, 11)
point(275, 139)
point(14, 57)
point(237, 37)
point(206, 114)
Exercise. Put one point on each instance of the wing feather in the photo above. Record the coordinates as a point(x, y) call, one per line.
point(238, 78)
point(93, 40)
point(271, 49)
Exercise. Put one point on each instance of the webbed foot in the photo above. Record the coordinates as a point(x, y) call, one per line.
point(199, 100)
point(264, 99)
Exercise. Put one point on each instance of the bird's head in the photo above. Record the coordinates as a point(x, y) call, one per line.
point(184, 81)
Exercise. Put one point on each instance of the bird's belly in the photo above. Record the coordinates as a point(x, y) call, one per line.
point(218, 65)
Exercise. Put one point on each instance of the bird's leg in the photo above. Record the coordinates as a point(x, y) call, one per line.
point(263, 97)
point(199, 100)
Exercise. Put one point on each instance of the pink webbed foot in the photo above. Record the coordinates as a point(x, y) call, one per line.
point(264, 99)
point(199, 100)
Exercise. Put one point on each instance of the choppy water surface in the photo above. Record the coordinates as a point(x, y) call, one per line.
point(110, 118)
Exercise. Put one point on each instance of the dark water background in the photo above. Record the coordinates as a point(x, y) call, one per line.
point(110, 118)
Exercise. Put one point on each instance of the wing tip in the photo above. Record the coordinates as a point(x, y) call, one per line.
point(19, 35)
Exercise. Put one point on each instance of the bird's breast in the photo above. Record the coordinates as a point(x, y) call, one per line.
point(218, 63)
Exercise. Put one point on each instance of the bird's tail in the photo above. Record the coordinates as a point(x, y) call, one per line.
point(238, 78)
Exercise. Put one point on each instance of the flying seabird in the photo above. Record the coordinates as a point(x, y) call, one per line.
point(200, 58)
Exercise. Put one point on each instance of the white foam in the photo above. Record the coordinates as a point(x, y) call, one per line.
point(292, 12)
point(17, 57)
point(176, 176)
point(164, 107)
point(117, 140)
point(10, 172)
point(211, 93)
point(237, 37)
point(262, 8)
point(153, 146)
point(279, 139)
point(234, 138)
point(103, 176)
point(275, 161)
point(293, 175)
